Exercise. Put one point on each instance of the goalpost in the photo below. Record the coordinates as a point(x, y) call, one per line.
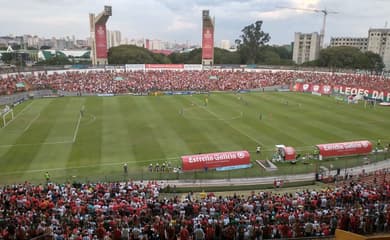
point(7, 117)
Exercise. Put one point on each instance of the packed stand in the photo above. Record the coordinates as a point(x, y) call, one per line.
point(208, 80)
point(132, 210)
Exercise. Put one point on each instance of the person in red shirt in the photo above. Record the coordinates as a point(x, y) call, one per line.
point(184, 233)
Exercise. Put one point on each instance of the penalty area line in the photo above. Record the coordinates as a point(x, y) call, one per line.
point(31, 122)
point(77, 129)
point(20, 113)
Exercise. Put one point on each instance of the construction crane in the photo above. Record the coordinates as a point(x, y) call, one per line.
point(324, 11)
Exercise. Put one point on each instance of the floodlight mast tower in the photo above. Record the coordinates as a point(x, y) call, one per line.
point(324, 11)
point(208, 25)
point(98, 36)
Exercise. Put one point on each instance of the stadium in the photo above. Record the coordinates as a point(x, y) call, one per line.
point(192, 151)
point(86, 126)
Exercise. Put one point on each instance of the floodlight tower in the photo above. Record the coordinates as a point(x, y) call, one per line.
point(207, 38)
point(99, 36)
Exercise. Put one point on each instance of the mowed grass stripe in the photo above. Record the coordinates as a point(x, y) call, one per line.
point(232, 115)
point(188, 121)
point(273, 122)
point(348, 118)
point(292, 121)
point(350, 114)
point(166, 113)
point(116, 142)
point(86, 149)
point(144, 128)
point(219, 133)
point(56, 155)
point(21, 156)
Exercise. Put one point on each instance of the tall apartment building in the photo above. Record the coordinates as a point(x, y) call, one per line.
point(114, 38)
point(225, 44)
point(360, 43)
point(306, 47)
point(379, 42)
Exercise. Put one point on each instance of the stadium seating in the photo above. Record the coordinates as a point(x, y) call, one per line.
point(134, 210)
point(146, 81)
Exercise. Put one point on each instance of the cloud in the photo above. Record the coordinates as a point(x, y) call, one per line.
point(180, 20)
point(179, 24)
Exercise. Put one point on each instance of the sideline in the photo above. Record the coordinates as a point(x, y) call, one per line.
point(268, 180)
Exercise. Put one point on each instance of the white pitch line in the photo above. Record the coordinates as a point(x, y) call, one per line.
point(31, 122)
point(20, 113)
point(86, 166)
point(34, 144)
point(228, 123)
point(77, 129)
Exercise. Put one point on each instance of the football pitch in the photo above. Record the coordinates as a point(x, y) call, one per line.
point(90, 138)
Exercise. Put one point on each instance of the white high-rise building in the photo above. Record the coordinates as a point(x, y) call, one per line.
point(306, 47)
point(360, 43)
point(155, 44)
point(114, 38)
point(379, 42)
point(225, 44)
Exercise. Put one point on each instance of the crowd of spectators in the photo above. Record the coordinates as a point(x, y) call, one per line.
point(207, 80)
point(136, 210)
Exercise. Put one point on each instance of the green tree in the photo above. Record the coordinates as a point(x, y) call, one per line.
point(44, 47)
point(7, 57)
point(130, 54)
point(349, 57)
point(56, 60)
point(223, 56)
point(375, 62)
point(251, 39)
point(341, 57)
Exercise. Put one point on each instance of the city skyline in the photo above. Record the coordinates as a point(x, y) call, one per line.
point(180, 21)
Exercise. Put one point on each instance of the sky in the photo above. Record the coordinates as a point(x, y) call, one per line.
point(180, 20)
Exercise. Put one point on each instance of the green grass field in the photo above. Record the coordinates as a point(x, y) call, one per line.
point(49, 134)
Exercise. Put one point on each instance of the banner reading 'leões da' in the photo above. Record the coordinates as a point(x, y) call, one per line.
point(101, 40)
point(214, 160)
point(343, 90)
point(370, 93)
point(208, 43)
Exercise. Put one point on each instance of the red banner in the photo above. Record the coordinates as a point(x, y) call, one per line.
point(164, 66)
point(101, 40)
point(214, 160)
point(308, 87)
point(344, 148)
point(343, 90)
point(208, 43)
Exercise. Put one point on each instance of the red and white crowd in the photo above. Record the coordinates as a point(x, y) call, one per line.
point(129, 210)
point(153, 80)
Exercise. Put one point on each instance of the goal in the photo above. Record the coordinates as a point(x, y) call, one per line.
point(7, 116)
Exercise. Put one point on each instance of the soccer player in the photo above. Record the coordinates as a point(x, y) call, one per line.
point(206, 101)
point(258, 149)
point(125, 168)
point(47, 177)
